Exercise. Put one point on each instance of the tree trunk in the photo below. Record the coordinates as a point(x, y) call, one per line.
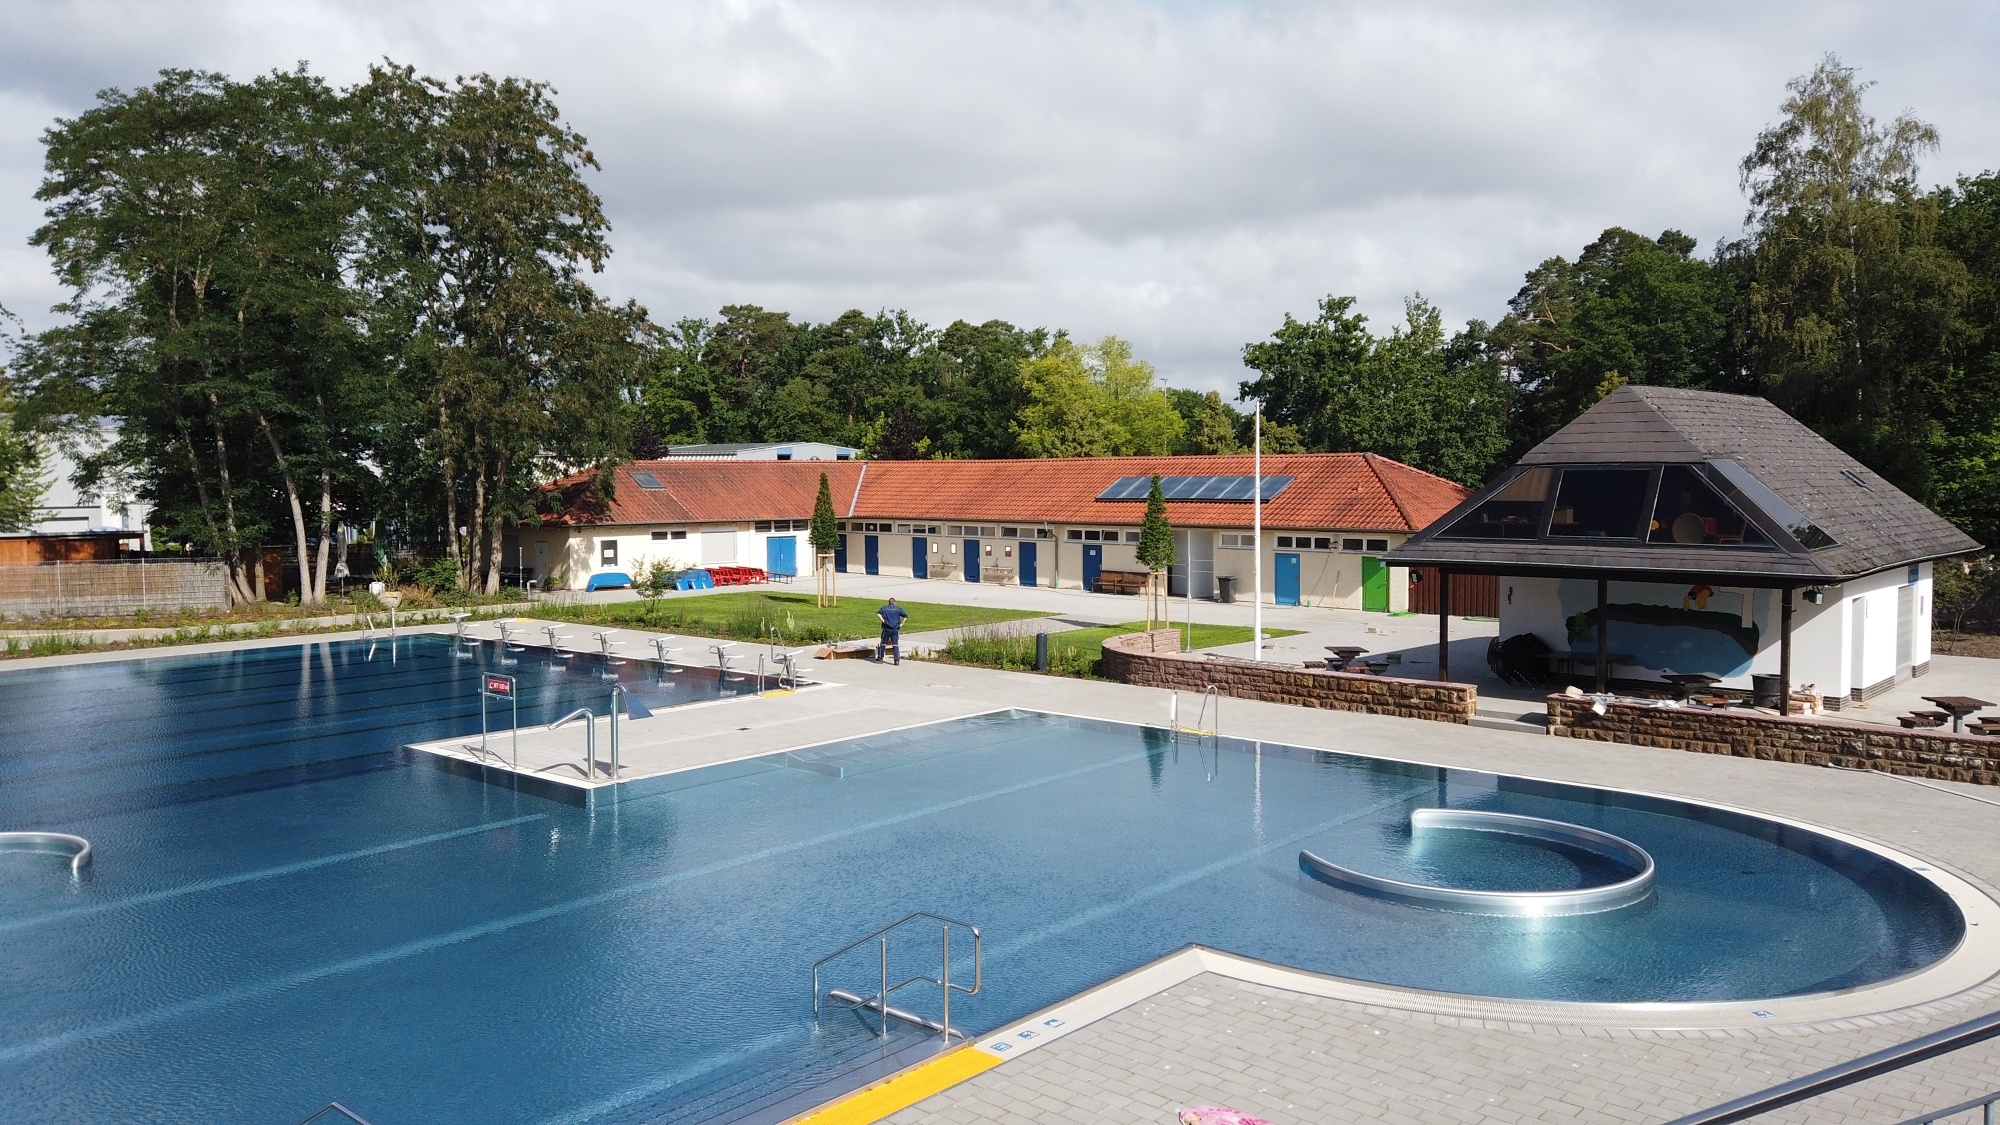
point(235, 581)
point(228, 495)
point(325, 528)
point(308, 593)
point(475, 534)
point(494, 547)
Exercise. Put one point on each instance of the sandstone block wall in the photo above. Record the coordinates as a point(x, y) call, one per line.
point(1808, 741)
point(1154, 660)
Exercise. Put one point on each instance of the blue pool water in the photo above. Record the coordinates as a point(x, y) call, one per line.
point(284, 910)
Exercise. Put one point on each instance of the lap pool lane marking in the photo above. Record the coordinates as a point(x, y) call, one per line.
point(906, 1088)
point(501, 925)
point(264, 873)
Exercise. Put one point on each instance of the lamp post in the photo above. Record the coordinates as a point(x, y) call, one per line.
point(1257, 534)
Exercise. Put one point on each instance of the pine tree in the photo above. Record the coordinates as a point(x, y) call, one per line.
point(1156, 550)
point(825, 538)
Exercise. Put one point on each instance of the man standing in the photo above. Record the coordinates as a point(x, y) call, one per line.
point(892, 618)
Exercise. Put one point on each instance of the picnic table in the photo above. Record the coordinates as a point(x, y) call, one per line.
point(1959, 706)
point(1685, 683)
point(1343, 655)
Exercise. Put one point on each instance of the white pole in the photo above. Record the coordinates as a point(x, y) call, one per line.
point(1257, 535)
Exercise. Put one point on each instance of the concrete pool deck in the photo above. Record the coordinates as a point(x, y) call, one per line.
point(1297, 1057)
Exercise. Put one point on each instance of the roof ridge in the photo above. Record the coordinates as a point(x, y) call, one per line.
point(1369, 459)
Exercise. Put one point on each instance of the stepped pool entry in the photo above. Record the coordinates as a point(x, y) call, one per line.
point(284, 909)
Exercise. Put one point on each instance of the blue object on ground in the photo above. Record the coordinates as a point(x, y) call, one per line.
point(609, 580)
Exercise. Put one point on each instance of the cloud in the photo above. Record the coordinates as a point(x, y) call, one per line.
point(1179, 174)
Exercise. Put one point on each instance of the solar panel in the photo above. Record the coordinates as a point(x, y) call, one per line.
point(1232, 489)
point(648, 480)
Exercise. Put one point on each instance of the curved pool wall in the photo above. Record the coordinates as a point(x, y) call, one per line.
point(284, 911)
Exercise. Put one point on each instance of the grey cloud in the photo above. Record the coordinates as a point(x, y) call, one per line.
point(1180, 174)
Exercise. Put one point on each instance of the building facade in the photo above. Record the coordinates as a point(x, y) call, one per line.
point(1329, 520)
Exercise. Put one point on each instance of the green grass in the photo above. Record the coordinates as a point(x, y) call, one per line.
point(750, 615)
point(1073, 652)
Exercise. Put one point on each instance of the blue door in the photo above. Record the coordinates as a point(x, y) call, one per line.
point(1288, 578)
point(1093, 565)
point(840, 554)
point(781, 554)
point(972, 560)
point(871, 554)
point(920, 558)
point(1027, 564)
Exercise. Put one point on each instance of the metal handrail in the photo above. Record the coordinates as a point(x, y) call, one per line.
point(78, 847)
point(589, 737)
point(880, 1001)
point(1986, 1103)
point(1848, 1073)
point(335, 1107)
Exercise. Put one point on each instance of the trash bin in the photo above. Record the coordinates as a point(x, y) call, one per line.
point(1225, 588)
point(1764, 691)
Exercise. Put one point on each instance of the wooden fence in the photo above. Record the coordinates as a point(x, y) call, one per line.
point(1472, 595)
point(111, 589)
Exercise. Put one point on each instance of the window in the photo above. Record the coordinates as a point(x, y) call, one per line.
point(840, 525)
point(1759, 495)
point(1689, 512)
point(1513, 512)
point(762, 525)
point(647, 481)
point(1378, 545)
point(902, 529)
point(670, 535)
point(1092, 535)
point(1131, 537)
point(607, 552)
point(1073, 535)
point(1045, 533)
point(1354, 544)
point(1600, 503)
point(1238, 540)
point(1286, 540)
point(802, 525)
point(1010, 533)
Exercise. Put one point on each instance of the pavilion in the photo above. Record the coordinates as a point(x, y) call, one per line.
point(1673, 532)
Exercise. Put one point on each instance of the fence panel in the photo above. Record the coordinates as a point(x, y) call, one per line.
point(1472, 595)
point(111, 589)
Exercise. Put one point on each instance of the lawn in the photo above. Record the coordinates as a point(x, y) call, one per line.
point(1073, 652)
point(749, 615)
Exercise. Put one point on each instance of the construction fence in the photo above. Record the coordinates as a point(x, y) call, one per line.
point(111, 589)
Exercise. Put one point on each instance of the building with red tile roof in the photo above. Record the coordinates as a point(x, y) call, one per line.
point(1328, 517)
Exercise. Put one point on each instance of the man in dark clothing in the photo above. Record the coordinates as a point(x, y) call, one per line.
point(892, 618)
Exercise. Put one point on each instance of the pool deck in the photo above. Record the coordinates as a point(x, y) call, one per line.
point(1210, 1034)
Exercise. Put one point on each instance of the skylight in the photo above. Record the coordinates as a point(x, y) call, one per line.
point(648, 481)
point(1236, 489)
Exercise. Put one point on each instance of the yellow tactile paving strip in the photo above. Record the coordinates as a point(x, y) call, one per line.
point(901, 1090)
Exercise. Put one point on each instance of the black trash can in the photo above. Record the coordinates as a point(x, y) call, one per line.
point(1765, 692)
point(1225, 588)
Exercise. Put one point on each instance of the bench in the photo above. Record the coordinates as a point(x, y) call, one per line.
point(1123, 581)
point(996, 575)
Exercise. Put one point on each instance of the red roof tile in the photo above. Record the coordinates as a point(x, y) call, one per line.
point(1355, 491)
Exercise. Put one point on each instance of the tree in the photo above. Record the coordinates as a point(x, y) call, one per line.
point(1436, 402)
point(1093, 401)
point(825, 539)
point(1630, 309)
point(1156, 551)
point(654, 581)
point(508, 367)
point(1852, 310)
point(206, 230)
point(1209, 424)
point(1965, 445)
point(20, 468)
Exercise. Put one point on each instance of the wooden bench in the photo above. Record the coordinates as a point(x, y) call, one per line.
point(1123, 581)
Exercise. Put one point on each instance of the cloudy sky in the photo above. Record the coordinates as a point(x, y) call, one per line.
point(1179, 174)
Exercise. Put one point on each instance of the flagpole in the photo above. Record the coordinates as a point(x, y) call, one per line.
point(1257, 535)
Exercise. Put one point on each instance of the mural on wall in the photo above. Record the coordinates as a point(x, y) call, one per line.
point(1687, 629)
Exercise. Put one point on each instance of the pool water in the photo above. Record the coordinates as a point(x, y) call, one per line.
point(285, 910)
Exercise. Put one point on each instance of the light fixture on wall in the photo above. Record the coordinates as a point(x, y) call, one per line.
point(1816, 595)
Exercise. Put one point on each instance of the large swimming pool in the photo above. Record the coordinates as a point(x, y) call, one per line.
point(284, 909)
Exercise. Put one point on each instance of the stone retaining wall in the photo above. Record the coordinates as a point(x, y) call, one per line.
point(1807, 741)
point(1154, 660)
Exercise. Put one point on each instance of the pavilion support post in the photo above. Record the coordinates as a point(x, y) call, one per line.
point(1444, 625)
point(1603, 637)
point(1785, 655)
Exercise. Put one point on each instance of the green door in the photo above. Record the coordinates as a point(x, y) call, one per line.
point(1374, 585)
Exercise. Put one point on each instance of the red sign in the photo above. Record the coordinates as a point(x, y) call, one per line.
point(499, 685)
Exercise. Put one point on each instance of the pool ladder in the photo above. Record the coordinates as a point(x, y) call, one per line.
point(335, 1108)
point(1208, 724)
point(879, 1002)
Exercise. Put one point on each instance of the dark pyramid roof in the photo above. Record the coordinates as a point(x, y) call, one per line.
point(1875, 526)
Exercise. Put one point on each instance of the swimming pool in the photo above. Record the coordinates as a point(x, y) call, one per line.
point(285, 910)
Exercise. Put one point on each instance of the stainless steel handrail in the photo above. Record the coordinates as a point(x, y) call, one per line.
point(335, 1107)
point(589, 737)
point(880, 1001)
point(1874, 1065)
point(1984, 1103)
point(77, 848)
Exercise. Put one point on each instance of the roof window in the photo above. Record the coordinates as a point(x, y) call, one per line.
point(1689, 512)
point(1514, 512)
point(1759, 495)
point(647, 481)
point(1600, 503)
